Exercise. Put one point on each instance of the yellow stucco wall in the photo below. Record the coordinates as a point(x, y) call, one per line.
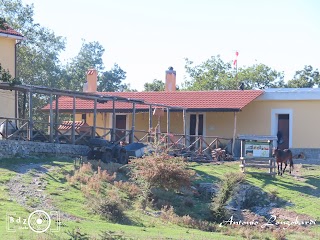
point(255, 118)
point(305, 120)
point(7, 60)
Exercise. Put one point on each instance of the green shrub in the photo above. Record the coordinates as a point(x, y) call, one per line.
point(226, 189)
point(108, 207)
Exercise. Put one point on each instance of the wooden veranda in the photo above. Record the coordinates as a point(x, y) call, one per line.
point(49, 130)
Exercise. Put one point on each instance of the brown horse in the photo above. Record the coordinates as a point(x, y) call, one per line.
point(282, 156)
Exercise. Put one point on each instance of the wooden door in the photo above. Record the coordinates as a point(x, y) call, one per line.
point(283, 131)
point(121, 123)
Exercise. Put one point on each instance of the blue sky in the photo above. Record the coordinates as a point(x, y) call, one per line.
point(145, 37)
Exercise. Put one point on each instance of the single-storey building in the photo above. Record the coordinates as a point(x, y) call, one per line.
point(290, 113)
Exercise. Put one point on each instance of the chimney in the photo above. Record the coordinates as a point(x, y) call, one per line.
point(170, 85)
point(92, 78)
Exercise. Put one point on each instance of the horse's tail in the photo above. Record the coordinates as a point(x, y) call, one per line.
point(290, 159)
point(291, 163)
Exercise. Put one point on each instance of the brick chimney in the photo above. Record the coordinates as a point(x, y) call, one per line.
point(170, 85)
point(92, 78)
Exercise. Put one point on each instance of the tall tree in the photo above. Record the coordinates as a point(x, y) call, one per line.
point(260, 76)
point(38, 55)
point(37, 58)
point(112, 80)
point(155, 86)
point(215, 74)
point(89, 56)
point(305, 78)
point(2, 24)
point(212, 74)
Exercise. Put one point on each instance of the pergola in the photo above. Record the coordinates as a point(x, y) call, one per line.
point(54, 94)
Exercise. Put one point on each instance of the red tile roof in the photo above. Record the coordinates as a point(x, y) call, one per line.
point(226, 100)
point(10, 31)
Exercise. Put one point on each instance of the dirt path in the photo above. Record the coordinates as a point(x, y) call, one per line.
point(31, 195)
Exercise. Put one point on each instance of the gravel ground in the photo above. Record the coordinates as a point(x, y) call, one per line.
point(31, 195)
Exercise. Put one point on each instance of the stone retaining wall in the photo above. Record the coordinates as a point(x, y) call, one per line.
point(313, 153)
point(10, 148)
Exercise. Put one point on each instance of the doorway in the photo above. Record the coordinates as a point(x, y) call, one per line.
point(283, 131)
point(195, 127)
point(281, 125)
point(121, 123)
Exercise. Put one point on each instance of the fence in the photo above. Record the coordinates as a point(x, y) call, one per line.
point(69, 133)
point(258, 163)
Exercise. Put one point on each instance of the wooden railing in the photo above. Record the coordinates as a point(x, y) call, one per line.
point(22, 129)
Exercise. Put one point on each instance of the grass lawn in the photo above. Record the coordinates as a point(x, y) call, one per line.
point(303, 194)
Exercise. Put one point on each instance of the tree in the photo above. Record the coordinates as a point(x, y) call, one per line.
point(215, 74)
point(305, 78)
point(155, 86)
point(37, 56)
point(111, 81)
point(2, 24)
point(260, 76)
point(89, 56)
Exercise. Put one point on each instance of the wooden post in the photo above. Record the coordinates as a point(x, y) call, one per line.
point(73, 135)
point(16, 107)
point(56, 117)
point(197, 129)
point(30, 117)
point(150, 122)
point(168, 126)
point(270, 166)
point(133, 122)
point(113, 132)
point(51, 120)
point(94, 118)
point(185, 126)
point(234, 132)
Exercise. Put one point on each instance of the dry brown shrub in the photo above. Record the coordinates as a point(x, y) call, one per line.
point(90, 180)
point(130, 188)
point(163, 171)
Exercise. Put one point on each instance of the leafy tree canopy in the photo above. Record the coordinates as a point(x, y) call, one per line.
point(89, 56)
point(111, 81)
point(37, 56)
point(2, 24)
point(215, 74)
point(155, 86)
point(305, 78)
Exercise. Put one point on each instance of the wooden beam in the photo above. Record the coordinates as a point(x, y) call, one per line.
point(150, 122)
point(30, 116)
point(234, 132)
point(197, 128)
point(168, 125)
point(56, 118)
point(185, 126)
point(113, 134)
point(133, 122)
point(94, 118)
point(51, 120)
point(73, 135)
